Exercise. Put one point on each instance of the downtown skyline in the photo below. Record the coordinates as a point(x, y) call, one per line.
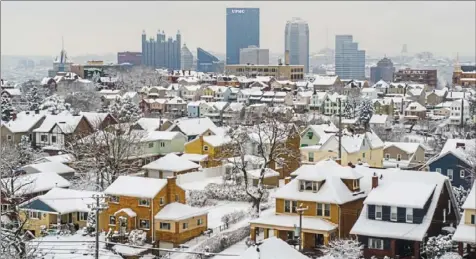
point(446, 24)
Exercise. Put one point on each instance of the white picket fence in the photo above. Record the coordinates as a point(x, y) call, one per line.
point(201, 175)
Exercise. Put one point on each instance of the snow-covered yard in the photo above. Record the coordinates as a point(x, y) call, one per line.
point(200, 185)
point(216, 212)
point(235, 249)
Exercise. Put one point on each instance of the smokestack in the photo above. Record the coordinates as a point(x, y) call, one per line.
point(286, 57)
point(374, 181)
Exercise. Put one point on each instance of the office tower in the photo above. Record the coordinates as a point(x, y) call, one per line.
point(242, 30)
point(349, 60)
point(206, 62)
point(254, 55)
point(162, 52)
point(187, 58)
point(296, 42)
point(383, 71)
point(134, 58)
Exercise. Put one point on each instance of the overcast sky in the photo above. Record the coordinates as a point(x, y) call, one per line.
point(90, 27)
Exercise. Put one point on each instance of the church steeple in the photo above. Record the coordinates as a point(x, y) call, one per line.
point(457, 66)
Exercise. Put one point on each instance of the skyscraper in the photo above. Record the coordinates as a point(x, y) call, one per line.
point(187, 58)
point(296, 42)
point(383, 71)
point(254, 55)
point(349, 60)
point(242, 30)
point(206, 62)
point(161, 52)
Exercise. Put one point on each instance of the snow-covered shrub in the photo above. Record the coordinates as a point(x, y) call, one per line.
point(460, 195)
point(231, 192)
point(137, 237)
point(365, 112)
point(438, 245)
point(199, 198)
point(233, 217)
point(124, 110)
point(343, 249)
point(220, 242)
point(450, 255)
point(91, 222)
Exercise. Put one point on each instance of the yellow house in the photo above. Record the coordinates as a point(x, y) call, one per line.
point(52, 210)
point(465, 232)
point(331, 197)
point(213, 146)
point(357, 148)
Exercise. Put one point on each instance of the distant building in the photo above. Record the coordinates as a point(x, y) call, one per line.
point(280, 72)
point(296, 42)
point(421, 76)
point(349, 60)
point(383, 71)
point(62, 63)
point(187, 58)
point(207, 63)
point(242, 30)
point(254, 55)
point(134, 58)
point(464, 76)
point(162, 52)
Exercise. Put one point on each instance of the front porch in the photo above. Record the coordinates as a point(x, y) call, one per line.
point(393, 248)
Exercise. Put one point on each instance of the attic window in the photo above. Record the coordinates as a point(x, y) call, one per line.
point(460, 145)
point(355, 184)
point(205, 148)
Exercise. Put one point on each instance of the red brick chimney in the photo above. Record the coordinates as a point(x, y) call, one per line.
point(171, 189)
point(374, 181)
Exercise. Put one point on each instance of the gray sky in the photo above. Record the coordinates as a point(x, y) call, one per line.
point(90, 27)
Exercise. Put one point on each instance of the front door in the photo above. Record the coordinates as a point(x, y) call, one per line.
point(123, 225)
point(319, 240)
point(70, 218)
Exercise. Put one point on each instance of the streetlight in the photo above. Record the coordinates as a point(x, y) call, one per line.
point(300, 210)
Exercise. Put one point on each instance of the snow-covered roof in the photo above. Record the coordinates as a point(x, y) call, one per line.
point(194, 157)
point(95, 118)
point(35, 183)
point(67, 123)
point(325, 168)
point(13, 91)
point(470, 202)
point(65, 201)
point(324, 80)
point(378, 119)
point(48, 167)
point(272, 248)
point(323, 128)
point(65, 158)
point(172, 163)
point(415, 106)
point(150, 124)
point(389, 180)
point(268, 173)
point(24, 122)
point(134, 186)
point(407, 147)
point(461, 148)
point(380, 84)
point(290, 221)
point(194, 126)
point(415, 195)
point(217, 140)
point(156, 135)
point(177, 211)
point(128, 211)
point(465, 233)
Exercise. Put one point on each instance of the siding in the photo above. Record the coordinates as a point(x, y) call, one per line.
point(450, 161)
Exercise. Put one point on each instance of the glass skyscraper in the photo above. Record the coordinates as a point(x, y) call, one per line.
point(296, 41)
point(242, 31)
point(349, 60)
point(206, 62)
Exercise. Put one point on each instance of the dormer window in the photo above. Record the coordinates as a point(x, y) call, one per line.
point(393, 213)
point(308, 186)
point(409, 215)
point(378, 212)
point(355, 184)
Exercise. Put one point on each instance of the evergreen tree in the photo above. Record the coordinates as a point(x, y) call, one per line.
point(34, 98)
point(6, 108)
point(91, 221)
point(125, 110)
point(348, 110)
point(365, 112)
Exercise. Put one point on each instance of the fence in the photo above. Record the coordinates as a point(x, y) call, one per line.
point(201, 175)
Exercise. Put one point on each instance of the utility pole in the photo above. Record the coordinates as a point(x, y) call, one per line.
point(300, 210)
point(340, 130)
point(97, 207)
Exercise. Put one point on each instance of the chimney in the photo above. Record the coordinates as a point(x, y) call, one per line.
point(351, 165)
point(37, 111)
point(286, 57)
point(14, 116)
point(339, 161)
point(201, 144)
point(287, 180)
point(171, 189)
point(374, 181)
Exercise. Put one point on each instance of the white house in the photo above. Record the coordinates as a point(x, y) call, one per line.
point(457, 110)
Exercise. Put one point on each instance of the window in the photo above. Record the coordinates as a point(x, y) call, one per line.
point(82, 216)
point(461, 174)
point(450, 174)
point(327, 210)
point(53, 139)
point(199, 222)
point(184, 225)
point(393, 213)
point(363, 155)
point(44, 138)
point(399, 157)
point(438, 170)
point(144, 202)
point(290, 206)
point(151, 144)
point(112, 220)
point(34, 214)
point(409, 215)
point(378, 212)
point(356, 184)
point(376, 243)
point(114, 199)
point(144, 224)
point(311, 156)
point(309, 134)
point(164, 225)
point(473, 219)
point(205, 148)
point(387, 156)
point(162, 144)
point(161, 201)
point(323, 210)
point(5, 207)
point(9, 137)
point(176, 198)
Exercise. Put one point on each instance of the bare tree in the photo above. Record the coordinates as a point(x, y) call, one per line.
point(270, 139)
point(105, 155)
point(136, 78)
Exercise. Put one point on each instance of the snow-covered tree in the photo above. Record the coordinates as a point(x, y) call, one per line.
point(54, 104)
point(6, 108)
point(91, 222)
point(348, 112)
point(34, 98)
point(450, 255)
point(343, 249)
point(436, 246)
point(137, 237)
point(124, 110)
point(86, 101)
point(136, 78)
point(365, 112)
point(460, 194)
point(270, 137)
point(393, 134)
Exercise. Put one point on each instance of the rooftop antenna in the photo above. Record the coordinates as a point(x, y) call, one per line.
point(327, 45)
